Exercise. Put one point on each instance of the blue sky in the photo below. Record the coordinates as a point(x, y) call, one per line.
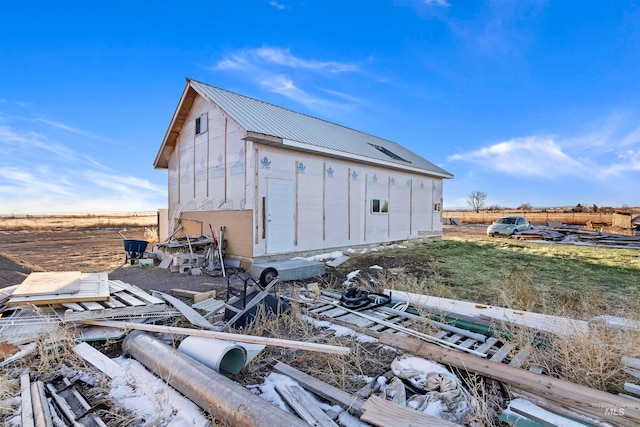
point(528, 101)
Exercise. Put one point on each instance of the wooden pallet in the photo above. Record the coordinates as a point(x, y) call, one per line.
point(126, 302)
point(490, 347)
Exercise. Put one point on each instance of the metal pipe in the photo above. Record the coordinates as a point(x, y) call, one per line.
point(211, 391)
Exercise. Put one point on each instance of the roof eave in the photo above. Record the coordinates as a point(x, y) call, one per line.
point(173, 131)
point(343, 155)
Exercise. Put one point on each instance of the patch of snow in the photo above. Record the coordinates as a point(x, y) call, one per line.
point(376, 267)
point(340, 331)
point(347, 420)
point(350, 277)
point(151, 399)
point(269, 393)
point(324, 257)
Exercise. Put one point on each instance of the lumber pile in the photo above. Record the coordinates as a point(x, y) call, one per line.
point(421, 386)
point(581, 399)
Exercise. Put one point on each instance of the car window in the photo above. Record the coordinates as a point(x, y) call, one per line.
point(520, 221)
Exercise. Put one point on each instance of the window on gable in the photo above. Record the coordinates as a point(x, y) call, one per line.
point(201, 124)
point(379, 206)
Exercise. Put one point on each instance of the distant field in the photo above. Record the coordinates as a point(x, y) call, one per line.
point(536, 217)
point(77, 221)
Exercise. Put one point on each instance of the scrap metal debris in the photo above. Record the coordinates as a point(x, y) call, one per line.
point(417, 388)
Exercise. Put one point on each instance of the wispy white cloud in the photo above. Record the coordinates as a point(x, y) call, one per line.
point(277, 70)
point(442, 3)
point(598, 155)
point(277, 5)
point(531, 156)
point(254, 58)
point(41, 173)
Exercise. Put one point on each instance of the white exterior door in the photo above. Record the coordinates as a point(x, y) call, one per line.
point(280, 215)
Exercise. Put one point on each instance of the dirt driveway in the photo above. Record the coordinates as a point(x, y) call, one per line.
point(101, 249)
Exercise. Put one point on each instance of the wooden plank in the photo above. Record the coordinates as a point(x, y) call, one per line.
point(27, 407)
point(194, 295)
point(41, 411)
point(73, 306)
point(581, 399)
point(114, 303)
point(632, 388)
point(520, 358)
point(129, 299)
point(322, 389)
point(335, 312)
point(49, 283)
point(454, 338)
point(504, 351)
point(383, 413)
point(139, 293)
point(99, 361)
point(301, 345)
point(355, 320)
point(486, 346)
point(192, 316)
point(86, 408)
point(540, 415)
point(304, 407)
point(93, 287)
point(91, 305)
point(64, 406)
point(632, 372)
point(631, 362)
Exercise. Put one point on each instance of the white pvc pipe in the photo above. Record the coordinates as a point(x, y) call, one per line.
point(219, 355)
point(222, 398)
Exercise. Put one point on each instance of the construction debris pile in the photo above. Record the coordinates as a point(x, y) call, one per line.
point(154, 359)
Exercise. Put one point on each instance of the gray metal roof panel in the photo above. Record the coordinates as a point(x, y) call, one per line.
point(261, 117)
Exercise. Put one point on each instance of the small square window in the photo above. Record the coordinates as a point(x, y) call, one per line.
point(379, 206)
point(201, 124)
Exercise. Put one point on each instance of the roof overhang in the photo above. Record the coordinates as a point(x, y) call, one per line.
point(177, 122)
point(301, 146)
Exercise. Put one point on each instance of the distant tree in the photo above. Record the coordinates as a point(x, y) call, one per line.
point(578, 208)
point(476, 200)
point(494, 208)
point(525, 207)
point(594, 208)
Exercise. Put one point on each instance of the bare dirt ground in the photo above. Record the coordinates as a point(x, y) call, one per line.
point(95, 245)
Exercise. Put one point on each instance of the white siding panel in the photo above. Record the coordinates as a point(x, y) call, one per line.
point(309, 199)
point(399, 203)
point(335, 204)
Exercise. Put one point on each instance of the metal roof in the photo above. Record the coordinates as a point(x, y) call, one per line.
point(268, 119)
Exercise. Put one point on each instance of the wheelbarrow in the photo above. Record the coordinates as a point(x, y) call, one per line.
point(134, 249)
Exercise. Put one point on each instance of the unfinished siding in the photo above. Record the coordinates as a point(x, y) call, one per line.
point(333, 202)
point(292, 196)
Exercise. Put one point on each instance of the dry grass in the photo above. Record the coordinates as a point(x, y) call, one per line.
point(55, 356)
point(78, 221)
point(346, 372)
point(591, 358)
point(9, 388)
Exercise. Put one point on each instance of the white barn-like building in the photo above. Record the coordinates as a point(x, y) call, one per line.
point(285, 183)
